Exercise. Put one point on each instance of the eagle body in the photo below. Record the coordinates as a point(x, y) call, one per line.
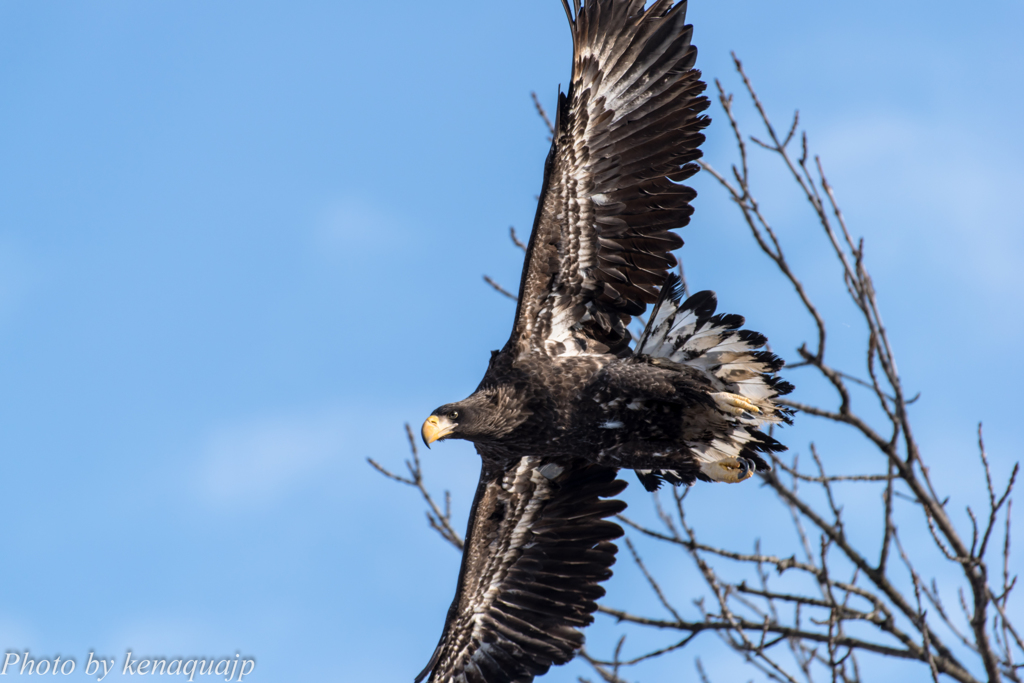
point(555, 407)
point(644, 412)
point(572, 397)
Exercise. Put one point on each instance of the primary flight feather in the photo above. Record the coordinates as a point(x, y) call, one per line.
point(568, 401)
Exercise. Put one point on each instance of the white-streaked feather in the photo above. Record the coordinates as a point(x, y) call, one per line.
point(726, 357)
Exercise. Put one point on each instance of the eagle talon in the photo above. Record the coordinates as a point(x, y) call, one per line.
point(734, 404)
point(730, 470)
point(567, 400)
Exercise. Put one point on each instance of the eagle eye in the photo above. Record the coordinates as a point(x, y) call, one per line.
point(454, 415)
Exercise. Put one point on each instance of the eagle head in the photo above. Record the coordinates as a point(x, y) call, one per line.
point(462, 420)
point(485, 416)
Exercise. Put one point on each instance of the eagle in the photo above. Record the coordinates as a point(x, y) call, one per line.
point(571, 399)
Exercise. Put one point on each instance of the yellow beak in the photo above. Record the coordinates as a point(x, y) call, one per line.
point(435, 428)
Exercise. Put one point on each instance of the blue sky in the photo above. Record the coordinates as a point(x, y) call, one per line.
point(241, 244)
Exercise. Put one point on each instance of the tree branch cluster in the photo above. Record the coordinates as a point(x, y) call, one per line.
point(815, 613)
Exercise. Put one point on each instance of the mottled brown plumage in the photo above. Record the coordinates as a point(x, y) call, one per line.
point(567, 402)
point(537, 547)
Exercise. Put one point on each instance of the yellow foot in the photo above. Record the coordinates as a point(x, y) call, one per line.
point(729, 470)
point(734, 404)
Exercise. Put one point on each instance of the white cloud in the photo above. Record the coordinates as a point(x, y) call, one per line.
point(262, 459)
point(15, 635)
point(17, 276)
point(947, 190)
point(351, 222)
point(167, 636)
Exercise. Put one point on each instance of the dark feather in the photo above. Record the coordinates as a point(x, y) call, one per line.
point(630, 121)
point(566, 402)
point(530, 574)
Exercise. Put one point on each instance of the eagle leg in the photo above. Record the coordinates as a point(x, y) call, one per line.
point(734, 404)
point(729, 470)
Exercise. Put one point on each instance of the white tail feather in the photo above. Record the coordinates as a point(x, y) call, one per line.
point(690, 334)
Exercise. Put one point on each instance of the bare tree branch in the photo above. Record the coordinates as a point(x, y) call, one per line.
point(543, 114)
point(811, 608)
point(439, 521)
point(498, 288)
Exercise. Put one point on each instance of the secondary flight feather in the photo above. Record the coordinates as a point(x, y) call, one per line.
point(567, 401)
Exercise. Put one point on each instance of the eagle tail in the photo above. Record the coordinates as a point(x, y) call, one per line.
point(743, 377)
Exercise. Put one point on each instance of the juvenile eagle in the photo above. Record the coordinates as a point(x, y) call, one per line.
point(567, 401)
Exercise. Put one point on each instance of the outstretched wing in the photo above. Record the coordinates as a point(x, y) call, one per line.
point(537, 548)
point(626, 134)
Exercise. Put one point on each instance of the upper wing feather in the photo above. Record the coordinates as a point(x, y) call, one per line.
point(627, 133)
point(536, 549)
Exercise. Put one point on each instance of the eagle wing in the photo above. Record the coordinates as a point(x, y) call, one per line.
point(626, 135)
point(537, 548)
